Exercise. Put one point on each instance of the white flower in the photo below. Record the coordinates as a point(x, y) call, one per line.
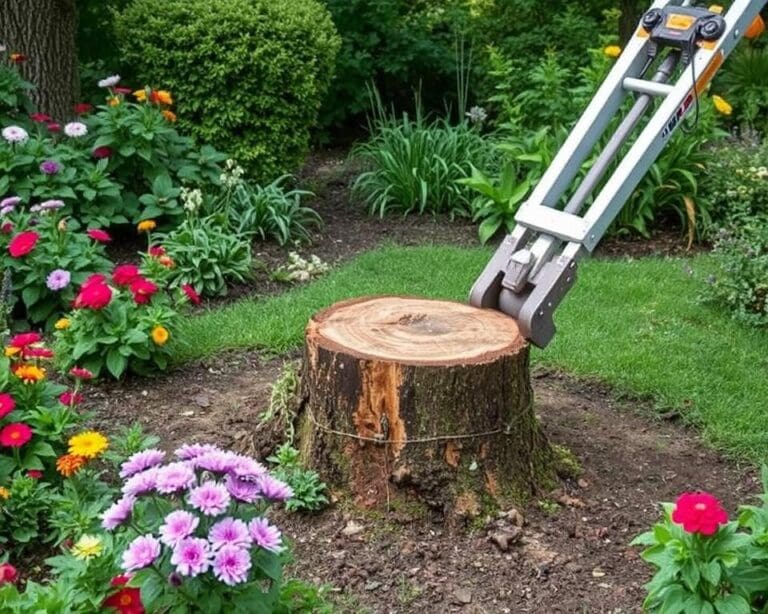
point(111, 81)
point(15, 134)
point(192, 199)
point(477, 114)
point(75, 129)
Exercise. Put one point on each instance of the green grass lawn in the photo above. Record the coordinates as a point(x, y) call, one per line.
point(636, 325)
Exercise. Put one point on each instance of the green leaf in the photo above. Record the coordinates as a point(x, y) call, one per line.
point(116, 362)
point(732, 604)
point(711, 572)
point(488, 228)
point(691, 575)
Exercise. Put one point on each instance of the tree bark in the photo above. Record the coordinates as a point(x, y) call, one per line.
point(631, 11)
point(420, 400)
point(45, 32)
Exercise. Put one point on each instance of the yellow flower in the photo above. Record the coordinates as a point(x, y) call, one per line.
point(62, 324)
point(146, 225)
point(88, 444)
point(612, 51)
point(113, 101)
point(169, 115)
point(87, 547)
point(160, 335)
point(140, 95)
point(722, 105)
point(69, 464)
point(29, 374)
point(11, 351)
point(4, 493)
point(163, 97)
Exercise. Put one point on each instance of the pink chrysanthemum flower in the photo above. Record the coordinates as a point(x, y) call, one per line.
point(274, 489)
point(265, 535)
point(178, 525)
point(141, 461)
point(218, 461)
point(230, 532)
point(190, 451)
point(118, 513)
point(245, 488)
point(174, 477)
point(231, 565)
point(140, 553)
point(210, 498)
point(141, 483)
point(192, 556)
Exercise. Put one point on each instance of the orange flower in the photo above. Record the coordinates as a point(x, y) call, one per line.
point(166, 261)
point(113, 101)
point(169, 115)
point(160, 335)
point(162, 96)
point(29, 374)
point(69, 464)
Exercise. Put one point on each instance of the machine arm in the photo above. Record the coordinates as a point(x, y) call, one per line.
point(536, 264)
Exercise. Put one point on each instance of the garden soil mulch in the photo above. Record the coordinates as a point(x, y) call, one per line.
point(572, 553)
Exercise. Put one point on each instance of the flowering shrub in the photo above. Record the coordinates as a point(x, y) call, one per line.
point(704, 562)
point(196, 530)
point(46, 257)
point(127, 321)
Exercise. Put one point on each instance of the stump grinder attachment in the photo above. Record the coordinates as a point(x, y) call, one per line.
point(536, 264)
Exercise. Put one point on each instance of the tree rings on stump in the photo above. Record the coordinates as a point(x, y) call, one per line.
point(420, 398)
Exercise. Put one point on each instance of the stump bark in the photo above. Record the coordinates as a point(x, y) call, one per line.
point(408, 397)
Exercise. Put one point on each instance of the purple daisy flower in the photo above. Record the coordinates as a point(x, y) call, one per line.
point(211, 498)
point(246, 466)
point(175, 477)
point(49, 167)
point(218, 461)
point(141, 461)
point(58, 280)
point(118, 513)
point(141, 483)
point(50, 205)
point(274, 489)
point(265, 535)
point(140, 553)
point(190, 451)
point(8, 205)
point(230, 532)
point(231, 565)
point(178, 525)
point(192, 556)
point(243, 488)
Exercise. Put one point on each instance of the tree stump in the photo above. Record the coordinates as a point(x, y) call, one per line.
point(407, 397)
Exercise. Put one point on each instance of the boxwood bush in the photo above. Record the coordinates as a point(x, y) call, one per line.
point(248, 76)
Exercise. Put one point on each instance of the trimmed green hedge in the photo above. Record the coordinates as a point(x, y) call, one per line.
point(248, 76)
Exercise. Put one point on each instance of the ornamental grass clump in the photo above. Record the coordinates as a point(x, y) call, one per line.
point(195, 530)
point(704, 561)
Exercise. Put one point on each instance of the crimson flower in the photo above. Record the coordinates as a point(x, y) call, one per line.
point(125, 274)
point(97, 234)
point(699, 512)
point(82, 108)
point(80, 373)
point(17, 58)
point(7, 404)
point(35, 474)
point(23, 243)
point(94, 293)
point(127, 600)
point(8, 574)
point(40, 118)
point(156, 251)
point(102, 152)
point(54, 127)
point(28, 353)
point(122, 90)
point(70, 398)
point(142, 290)
point(22, 340)
point(192, 295)
point(15, 435)
point(6, 228)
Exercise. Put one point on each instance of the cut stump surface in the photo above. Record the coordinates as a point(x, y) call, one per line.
point(420, 398)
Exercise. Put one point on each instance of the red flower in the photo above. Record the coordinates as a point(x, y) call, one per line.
point(102, 152)
point(97, 234)
point(6, 228)
point(28, 353)
point(24, 339)
point(699, 512)
point(54, 127)
point(156, 251)
point(15, 435)
point(80, 373)
point(127, 600)
point(125, 274)
point(142, 290)
point(8, 574)
point(17, 58)
point(23, 243)
point(94, 293)
point(70, 398)
point(40, 118)
point(7, 404)
point(122, 90)
point(193, 296)
point(83, 107)
point(35, 474)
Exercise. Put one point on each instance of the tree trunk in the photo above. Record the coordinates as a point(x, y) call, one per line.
point(414, 399)
point(45, 32)
point(631, 11)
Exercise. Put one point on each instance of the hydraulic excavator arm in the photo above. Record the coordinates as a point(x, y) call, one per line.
point(536, 264)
